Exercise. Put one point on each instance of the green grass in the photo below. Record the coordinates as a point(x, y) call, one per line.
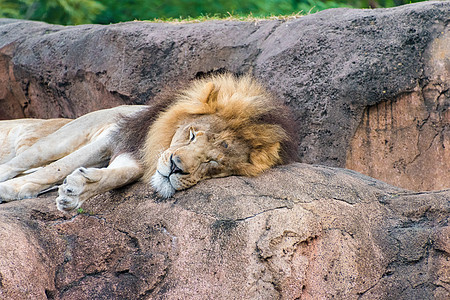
point(230, 17)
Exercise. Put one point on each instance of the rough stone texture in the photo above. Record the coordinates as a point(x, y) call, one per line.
point(410, 135)
point(298, 231)
point(337, 69)
point(370, 91)
point(420, 130)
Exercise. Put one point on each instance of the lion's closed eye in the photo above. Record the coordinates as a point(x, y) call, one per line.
point(192, 134)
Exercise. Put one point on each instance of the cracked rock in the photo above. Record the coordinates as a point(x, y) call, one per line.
point(184, 247)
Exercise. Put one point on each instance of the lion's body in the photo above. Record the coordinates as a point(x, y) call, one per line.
point(218, 127)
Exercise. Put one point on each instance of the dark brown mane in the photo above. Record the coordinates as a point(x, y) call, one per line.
point(283, 117)
point(132, 130)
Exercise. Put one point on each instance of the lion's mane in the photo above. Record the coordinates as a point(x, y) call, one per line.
point(250, 112)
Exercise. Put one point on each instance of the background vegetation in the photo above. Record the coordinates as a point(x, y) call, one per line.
point(73, 12)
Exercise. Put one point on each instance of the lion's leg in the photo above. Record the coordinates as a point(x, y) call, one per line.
point(18, 135)
point(46, 150)
point(93, 154)
point(65, 140)
point(84, 183)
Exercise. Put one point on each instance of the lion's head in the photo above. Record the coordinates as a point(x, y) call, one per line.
point(220, 126)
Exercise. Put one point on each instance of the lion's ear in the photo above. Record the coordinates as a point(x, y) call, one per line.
point(208, 94)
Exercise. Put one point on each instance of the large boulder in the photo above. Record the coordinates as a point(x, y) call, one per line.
point(369, 90)
point(298, 231)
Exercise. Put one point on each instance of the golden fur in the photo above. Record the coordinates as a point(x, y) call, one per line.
point(186, 142)
point(238, 102)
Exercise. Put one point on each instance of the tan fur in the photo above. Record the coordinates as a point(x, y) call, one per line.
point(18, 135)
point(215, 128)
point(44, 152)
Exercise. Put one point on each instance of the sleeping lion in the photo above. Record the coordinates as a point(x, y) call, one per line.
point(219, 126)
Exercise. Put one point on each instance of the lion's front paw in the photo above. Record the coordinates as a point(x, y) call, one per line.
point(67, 203)
point(72, 192)
point(68, 196)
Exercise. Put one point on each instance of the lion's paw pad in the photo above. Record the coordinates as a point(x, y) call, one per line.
point(67, 203)
point(75, 188)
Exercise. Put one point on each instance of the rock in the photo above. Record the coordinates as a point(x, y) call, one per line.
point(298, 231)
point(370, 88)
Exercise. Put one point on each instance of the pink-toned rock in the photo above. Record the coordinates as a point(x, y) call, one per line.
point(297, 231)
point(406, 140)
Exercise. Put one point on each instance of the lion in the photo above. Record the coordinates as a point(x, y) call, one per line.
point(218, 126)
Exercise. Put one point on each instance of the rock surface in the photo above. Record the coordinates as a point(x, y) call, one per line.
point(346, 73)
point(370, 90)
point(298, 231)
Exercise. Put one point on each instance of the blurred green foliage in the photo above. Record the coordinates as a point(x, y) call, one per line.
point(72, 12)
point(66, 12)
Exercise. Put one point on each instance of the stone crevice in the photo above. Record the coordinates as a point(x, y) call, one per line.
point(262, 212)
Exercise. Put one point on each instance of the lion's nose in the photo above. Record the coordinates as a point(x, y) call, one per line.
point(174, 168)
